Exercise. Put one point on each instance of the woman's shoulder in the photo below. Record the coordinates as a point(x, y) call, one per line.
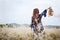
point(32, 17)
point(39, 15)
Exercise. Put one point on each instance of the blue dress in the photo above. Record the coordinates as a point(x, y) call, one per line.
point(34, 25)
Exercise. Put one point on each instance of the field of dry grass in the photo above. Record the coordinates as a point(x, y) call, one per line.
point(25, 33)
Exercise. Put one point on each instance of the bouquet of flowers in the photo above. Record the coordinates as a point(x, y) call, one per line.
point(50, 11)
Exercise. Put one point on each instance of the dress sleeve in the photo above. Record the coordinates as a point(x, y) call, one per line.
point(44, 13)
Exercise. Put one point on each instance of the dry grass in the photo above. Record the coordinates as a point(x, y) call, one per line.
point(25, 33)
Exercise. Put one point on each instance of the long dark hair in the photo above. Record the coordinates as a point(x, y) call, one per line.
point(35, 11)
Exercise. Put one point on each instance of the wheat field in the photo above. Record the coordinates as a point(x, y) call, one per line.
point(26, 33)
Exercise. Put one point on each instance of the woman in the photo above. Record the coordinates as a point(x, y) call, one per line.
point(36, 23)
point(36, 19)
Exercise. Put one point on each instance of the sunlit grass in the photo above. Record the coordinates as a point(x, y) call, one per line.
point(53, 36)
point(25, 33)
point(30, 36)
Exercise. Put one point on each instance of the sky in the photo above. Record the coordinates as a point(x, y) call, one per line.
point(20, 11)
